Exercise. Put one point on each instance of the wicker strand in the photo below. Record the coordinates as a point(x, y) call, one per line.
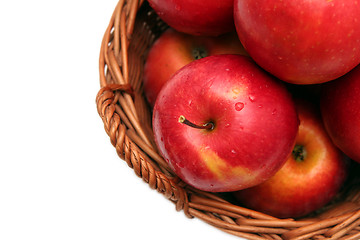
point(135, 159)
point(344, 224)
point(320, 225)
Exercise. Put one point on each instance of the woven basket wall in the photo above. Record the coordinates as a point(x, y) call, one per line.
point(126, 115)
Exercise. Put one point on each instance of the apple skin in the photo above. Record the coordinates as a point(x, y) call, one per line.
point(200, 17)
point(173, 50)
point(300, 41)
point(340, 101)
point(301, 187)
point(254, 118)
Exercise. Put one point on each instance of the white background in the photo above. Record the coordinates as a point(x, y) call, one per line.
point(60, 178)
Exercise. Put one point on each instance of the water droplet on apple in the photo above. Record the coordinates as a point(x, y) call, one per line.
point(227, 69)
point(260, 106)
point(233, 151)
point(273, 112)
point(227, 125)
point(239, 106)
point(252, 98)
point(190, 102)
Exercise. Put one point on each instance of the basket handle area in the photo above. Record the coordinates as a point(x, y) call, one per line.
point(122, 139)
point(119, 110)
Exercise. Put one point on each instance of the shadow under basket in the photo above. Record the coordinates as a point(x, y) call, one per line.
point(127, 120)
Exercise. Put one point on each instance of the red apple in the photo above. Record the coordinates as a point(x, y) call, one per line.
point(173, 50)
point(301, 41)
point(310, 178)
point(223, 124)
point(200, 17)
point(340, 107)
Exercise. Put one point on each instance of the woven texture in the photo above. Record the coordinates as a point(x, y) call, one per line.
point(126, 116)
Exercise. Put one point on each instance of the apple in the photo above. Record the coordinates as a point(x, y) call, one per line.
point(310, 178)
point(340, 108)
point(200, 17)
point(173, 50)
point(224, 124)
point(301, 41)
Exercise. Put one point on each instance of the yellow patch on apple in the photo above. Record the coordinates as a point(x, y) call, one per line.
point(220, 168)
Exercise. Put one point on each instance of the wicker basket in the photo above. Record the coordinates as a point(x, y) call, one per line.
point(127, 120)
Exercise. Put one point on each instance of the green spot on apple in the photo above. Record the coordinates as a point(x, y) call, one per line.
point(199, 53)
point(299, 153)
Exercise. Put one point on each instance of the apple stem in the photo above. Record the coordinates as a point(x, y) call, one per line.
point(208, 126)
point(299, 153)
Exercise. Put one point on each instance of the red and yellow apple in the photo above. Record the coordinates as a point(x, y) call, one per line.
point(301, 41)
point(340, 108)
point(224, 124)
point(200, 17)
point(173, 50)
point(311, 177)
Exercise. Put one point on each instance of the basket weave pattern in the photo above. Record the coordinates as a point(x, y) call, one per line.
point(127, 120)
